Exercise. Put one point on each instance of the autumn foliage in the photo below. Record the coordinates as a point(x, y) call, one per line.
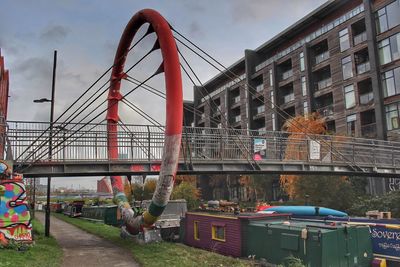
point(185, 178)
point(299, 128)
point(145, 192)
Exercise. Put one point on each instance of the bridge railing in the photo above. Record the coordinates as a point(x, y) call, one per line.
point(29, 142)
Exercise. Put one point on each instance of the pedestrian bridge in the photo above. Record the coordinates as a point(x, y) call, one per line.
point(81, 150)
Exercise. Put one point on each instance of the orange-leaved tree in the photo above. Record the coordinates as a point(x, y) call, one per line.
point(299, 128)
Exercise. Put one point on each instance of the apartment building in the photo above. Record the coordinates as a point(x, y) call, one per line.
point(341, 60)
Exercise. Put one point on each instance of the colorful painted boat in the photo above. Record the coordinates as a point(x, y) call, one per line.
point(305, 211)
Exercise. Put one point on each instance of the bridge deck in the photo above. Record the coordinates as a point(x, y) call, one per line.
point(80, 149)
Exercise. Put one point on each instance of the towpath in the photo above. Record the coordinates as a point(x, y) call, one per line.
point(82, 249)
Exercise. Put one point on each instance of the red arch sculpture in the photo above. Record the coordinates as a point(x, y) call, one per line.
point(173, 124)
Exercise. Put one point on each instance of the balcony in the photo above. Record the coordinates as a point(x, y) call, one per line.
point(321, 57)
point(326, 111)
point(261, 131)
point(287, 74)
point(288, 98)
point(366, 98)
point(260, 88)
point(323, 84)
point(237, 119)
point(358, 39)
point(260, 109)
point(369, 130)
point(217, 112)
point(363, 68)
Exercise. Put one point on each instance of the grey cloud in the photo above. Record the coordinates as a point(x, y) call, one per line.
point(34, 68)
point(54, 33)
point(193, 6)
point(195, 29)
point(257, 10)
point(9, 46)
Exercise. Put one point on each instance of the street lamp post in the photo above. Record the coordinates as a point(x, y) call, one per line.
point(43, 100)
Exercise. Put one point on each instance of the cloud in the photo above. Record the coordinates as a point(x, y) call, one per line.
point(54, 33)
point(257, 10)
point(9, 47)
point(195, 29)
point(193, 6)
point(34, 68)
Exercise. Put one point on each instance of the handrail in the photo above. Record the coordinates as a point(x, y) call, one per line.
point(204, 143)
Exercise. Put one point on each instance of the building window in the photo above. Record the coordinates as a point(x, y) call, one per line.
point(271, 78)
point(347, 68)
point(393, 116)
point(389, 49)
point(349, 96)
point(351, 125)
point(272, 99)
point(218, 232)
point(344, 40)
point(388, 17)
point(273, 122)
point(303, 85)
point(305, 107)
point(391, 82)
point(196, 230)
point(302, 65)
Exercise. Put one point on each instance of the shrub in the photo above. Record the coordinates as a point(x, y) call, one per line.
point(187, 191)
point(388, 202)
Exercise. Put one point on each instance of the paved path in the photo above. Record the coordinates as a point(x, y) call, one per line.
point(82, 249)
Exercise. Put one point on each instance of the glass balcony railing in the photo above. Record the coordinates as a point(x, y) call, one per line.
point(262, 130)
point(288, 98)
point(237, 119)
point(326, 111)
point(358, 39)
point(369, 130)
point(323, 84)
point(260, 88)
point(366, 98)
point(321, 57)
point(260, 109)
point(287, 74)
point(364, 67)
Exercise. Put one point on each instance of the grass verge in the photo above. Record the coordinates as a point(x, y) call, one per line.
point(157, 254)
point(44, 253)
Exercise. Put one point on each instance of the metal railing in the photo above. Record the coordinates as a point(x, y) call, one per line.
point(362, 37)
point(366, 98)
point(286, 75)
point(262, 130)
point(363, 68)
point(260, 109)
point(326, 111)
point(146, 143)
point(323, 84)
point(369, 130)
point(321, 57)
point(288, 98)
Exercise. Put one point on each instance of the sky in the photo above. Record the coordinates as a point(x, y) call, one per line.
point(86, 34)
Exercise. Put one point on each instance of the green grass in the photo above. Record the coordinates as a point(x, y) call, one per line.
point(44, 253)
point(157, 254)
